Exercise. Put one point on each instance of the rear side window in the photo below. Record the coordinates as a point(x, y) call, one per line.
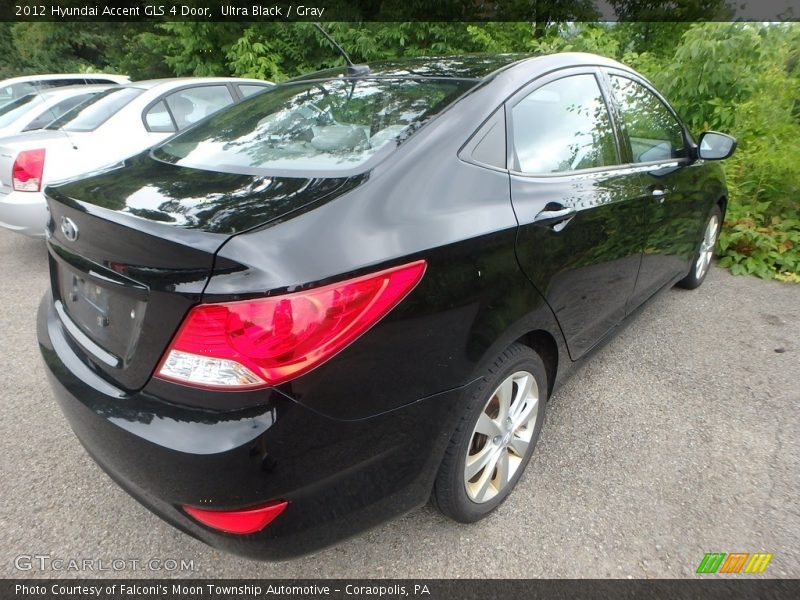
point(250, 90)
point(194, 104)
point(158, 119)
point(329, 126)
point(563, 126)
point(93, 113)
point(490, 141)
point(654, 132)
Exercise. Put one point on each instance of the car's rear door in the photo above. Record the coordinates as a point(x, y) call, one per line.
point(580, 209)
point(656, 143)
point(179, 109)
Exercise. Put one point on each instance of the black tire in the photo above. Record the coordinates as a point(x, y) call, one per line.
point(692, 280)
point(450, 494)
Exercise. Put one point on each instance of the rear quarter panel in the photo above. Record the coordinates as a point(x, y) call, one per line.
point(422, 202)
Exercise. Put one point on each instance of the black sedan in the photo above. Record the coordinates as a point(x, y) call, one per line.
point(353, 293)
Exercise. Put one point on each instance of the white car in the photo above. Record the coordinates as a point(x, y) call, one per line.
point(114, 125)
point(17, 87)
point(39, 109)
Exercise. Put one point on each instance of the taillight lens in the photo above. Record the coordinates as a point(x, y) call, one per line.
point(26, 174)
point(267, 341)
point(241, 522)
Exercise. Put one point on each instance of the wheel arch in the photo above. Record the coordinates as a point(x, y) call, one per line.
point(722, 202)
point(544, 344)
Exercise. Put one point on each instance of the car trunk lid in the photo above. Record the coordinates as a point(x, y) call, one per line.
point(131, 250)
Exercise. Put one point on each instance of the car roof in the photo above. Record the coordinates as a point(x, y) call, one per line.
point(476, 67)
point(70, 90)
point(51, 76)
point(461, 66)
point(173, 82)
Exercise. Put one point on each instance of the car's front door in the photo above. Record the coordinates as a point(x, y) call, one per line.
point(654, 139)
point(579, 208)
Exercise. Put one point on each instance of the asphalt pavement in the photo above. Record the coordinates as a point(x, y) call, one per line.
point(680, 436)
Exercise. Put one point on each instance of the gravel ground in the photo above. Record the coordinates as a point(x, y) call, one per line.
point(680, 437)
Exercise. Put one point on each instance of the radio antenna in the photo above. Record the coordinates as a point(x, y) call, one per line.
point(353, 70)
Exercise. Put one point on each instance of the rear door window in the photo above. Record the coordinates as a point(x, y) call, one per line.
point(563, 126)
point(194, 104)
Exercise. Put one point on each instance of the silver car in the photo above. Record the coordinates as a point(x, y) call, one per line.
point(114, 125)
point(17, 87)
point(39, 109)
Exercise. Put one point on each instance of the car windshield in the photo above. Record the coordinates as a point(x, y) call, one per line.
point(96, 111)
point(327, 126)
point(14, 110)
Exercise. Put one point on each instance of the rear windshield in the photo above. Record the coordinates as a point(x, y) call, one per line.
point(96, 111)
point(14, 110)
point(331, 126)
point(15, 90)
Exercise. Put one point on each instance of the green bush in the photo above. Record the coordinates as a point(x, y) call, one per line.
point(742, 79)
point(768, 247)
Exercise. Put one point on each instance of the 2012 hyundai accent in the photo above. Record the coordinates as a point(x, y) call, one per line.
point(319, 308)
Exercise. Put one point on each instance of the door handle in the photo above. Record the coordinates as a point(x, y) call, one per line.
point(552, 217)
point(659, 194)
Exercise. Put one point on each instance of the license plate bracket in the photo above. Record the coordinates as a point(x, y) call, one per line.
point(102, 310)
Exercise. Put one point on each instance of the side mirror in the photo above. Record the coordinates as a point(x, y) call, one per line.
point(715, 146)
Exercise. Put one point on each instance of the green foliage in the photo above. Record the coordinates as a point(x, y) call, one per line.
point(741, 78)
point(62, 47)
point(714, 68)
point(137, 52)
point(10, 63)
point(274, 51)
point(195, 48)
point(753, 243)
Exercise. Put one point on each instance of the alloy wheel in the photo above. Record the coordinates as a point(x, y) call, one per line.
point(707, 247)
point(501, 437)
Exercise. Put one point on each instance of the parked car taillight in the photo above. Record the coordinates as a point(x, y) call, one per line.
point(26, 174)
point(267, 341)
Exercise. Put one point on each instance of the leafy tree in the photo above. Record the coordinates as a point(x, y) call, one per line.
point(59, 47)
point(656, 27)
point(8, 51)
point(137, 51)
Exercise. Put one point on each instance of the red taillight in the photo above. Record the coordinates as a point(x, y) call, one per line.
point(254, 343)
point(26, 174)
point(237, 521)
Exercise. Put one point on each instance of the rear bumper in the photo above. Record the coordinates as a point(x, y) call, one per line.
point(24, 212)
point(340, 477)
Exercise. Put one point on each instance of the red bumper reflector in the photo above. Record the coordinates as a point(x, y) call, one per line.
point(237, 521)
